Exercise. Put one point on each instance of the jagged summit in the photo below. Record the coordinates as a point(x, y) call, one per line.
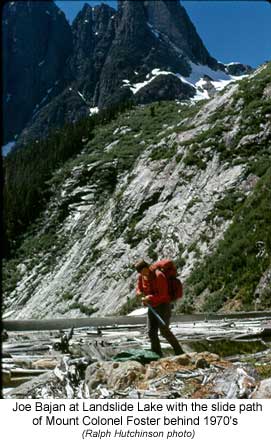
point(93, 30)
point(144, 51)
point(172, 20)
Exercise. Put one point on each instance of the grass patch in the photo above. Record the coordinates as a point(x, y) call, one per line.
point(164, 152)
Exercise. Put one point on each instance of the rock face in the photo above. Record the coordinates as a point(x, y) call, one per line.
point(37, 41)
point(170, 19)
point(126, 52)
point(164, 87)
point(69, 69)
point(237, 69)
point(91, 35)
point(93, 32)
point(159, 181)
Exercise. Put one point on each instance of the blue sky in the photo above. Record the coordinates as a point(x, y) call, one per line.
point(231, 30)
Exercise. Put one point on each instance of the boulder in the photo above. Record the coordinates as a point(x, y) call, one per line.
point(114, 375)
point(263, 391)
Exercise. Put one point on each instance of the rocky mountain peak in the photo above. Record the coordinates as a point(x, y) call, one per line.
point(93, 31)
point(171, 19)
point(82, 31)
point(151, 36)
point(31, 70)
point(93, 14)
point(91, 24)
point(133, 20)
point(104, 21)
point(145, 51)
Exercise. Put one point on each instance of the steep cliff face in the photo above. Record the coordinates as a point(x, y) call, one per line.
point(171, 20)
point(93, 32)
point(150, 35)
point(132, 44)
point(37, 41)
point(103, 58)
point(187, 181)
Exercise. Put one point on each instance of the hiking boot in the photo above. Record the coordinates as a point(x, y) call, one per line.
point(179, 351)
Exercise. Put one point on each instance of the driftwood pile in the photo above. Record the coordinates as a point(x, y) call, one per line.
point(223, 358)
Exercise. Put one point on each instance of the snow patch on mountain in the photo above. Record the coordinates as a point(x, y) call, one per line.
point(7, 148)
point(150, 77)
point(82, 96)
point(197, 79)
point(154, 31)
point(93, 111)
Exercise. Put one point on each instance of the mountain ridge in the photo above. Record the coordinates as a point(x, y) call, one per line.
point(103, 49)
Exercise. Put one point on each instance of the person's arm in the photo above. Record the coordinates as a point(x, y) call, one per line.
point(162, 296)
point(139, 286)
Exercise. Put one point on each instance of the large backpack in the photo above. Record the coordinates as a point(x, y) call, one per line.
point(175, 287)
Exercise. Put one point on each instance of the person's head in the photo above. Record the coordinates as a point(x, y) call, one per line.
point(142, 267)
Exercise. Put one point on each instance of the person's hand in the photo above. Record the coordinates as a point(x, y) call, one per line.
point(145, 300)
point(140, 294)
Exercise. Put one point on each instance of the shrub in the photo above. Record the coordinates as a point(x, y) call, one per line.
point(66, 296)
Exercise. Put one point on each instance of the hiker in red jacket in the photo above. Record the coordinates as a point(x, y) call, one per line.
point(152, 286)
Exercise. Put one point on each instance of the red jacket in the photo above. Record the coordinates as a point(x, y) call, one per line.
point(155, 286)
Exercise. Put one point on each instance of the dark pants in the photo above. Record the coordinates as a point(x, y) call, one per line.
point(163, 310)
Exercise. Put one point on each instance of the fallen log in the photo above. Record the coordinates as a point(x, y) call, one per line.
point(98, 322)
point(20, 372)
point(263, 333)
